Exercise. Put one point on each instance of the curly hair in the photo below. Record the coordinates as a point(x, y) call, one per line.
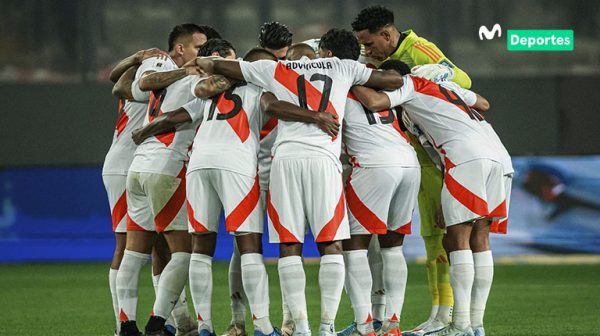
point(342, 43)
point(399, 66)
point(373, 18)
point(223, 47)
point(274, 35)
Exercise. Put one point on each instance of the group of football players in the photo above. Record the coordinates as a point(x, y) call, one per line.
point(341, 134)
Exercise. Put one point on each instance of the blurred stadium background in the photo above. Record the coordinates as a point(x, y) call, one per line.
point(58, 118)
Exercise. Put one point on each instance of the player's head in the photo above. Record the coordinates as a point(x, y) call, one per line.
point(339, 43)
point(375, 30)
point(256, 54)
point(396, 65)
point(185, 40)
point(275, 37)
point(209, 32)
point(299, 50)
point(218, 47)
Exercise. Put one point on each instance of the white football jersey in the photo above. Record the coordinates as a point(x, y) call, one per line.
point(165, 153)
point(374, 139)
point(228, 136)
point(319, 85)
point(442, 112)
point(268, 134)
point(155, 64)
point(119, 156)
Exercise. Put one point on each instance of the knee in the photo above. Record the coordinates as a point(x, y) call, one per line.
point(334, 247)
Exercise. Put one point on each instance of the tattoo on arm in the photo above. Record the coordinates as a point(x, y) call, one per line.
point(160, 80)
point(212, 86)
point(122, 89)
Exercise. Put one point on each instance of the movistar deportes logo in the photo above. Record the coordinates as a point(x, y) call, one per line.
point(489, 34)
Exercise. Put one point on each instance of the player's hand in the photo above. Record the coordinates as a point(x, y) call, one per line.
point(439, 219)
point(152, 52)
point(205, 64)
point(137, 136)
point(192, 69)
point(328, 123)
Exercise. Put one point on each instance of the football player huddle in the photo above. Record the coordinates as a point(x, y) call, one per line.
point(340, 135)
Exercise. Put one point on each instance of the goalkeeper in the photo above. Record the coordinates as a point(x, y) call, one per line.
point(375, 30)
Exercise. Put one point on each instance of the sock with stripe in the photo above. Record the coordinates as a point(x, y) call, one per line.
point(201, 286)
point(127, 284)
point(256, 286)
point(358, 287)
point(331, 282)
point(395, 274)
point(293, 285)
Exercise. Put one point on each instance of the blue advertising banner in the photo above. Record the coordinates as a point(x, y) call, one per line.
point(51, 214)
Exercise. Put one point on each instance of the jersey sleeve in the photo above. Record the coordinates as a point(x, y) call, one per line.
point(259, 73)
point(153, 64)
point(426, 52)
point(195, 109)
point(360, 72)
point(195, 82)
point(403, 94)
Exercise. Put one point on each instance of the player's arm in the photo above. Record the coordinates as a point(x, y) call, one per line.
point(135, 59)
point(371, 99)
point(384, 80)
point(161, 124)
point(215, 65)
point(212, 86)
point(481, 104)
point(286, 111)
point(431, 54)
point(122, 88)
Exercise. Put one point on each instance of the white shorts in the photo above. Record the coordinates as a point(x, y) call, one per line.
point(501, 225)
point(211, 190)
point(382, 199)
point(473, 190)
point(156, 202)
point(302, 191)
point(117, 199)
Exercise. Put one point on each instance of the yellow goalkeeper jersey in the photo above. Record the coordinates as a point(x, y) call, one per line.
point(415, 50)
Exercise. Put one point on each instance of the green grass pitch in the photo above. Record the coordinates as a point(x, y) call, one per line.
point(73, 299)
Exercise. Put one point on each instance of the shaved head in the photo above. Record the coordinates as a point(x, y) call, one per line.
point(298, 50)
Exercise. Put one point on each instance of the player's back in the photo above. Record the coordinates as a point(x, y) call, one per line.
point(228, 136)
point(165, 151)
point(447, 120)
point(374, 139)
point(319, 85)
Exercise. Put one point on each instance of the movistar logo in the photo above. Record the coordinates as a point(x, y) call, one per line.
point(490, 34)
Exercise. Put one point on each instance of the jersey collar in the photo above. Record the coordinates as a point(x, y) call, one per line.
point(408, 41)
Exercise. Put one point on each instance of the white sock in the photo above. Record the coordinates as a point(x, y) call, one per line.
point(462, 273)
point(395, 274)
point(358, 287)
point(172, 281)
point(434, 311)
point(293, 284)
point(236, 289)
point(181, 313)
point(484, 274)
point(155, 282)
point(256, 286)
point(201, 286)
point(378, 290)
point(112, 283)
point(331, 282)
point(444, 314)
point(127, 283)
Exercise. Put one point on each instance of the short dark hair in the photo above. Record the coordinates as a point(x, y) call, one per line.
point(274, 35)
point(399, 66)
point(257, 53)
point(186, 29)
point(301, 49)
point(373, 18)
point(223, 47)
point(209, 32)
point(342, 43)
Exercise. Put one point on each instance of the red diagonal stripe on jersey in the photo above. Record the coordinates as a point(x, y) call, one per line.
point(237, 217)
point(432, 89)
point(465, 196)
point(431, 50)
point(288, 77)
point(133, 226)
point(499, 211)
point(362, 213)
point(330, 229)
point(196, 225)
point(165, 138)
point(168, 213)
point(418, 47)
point(499, 226)
point(268, 127)
point(285, 236)
point(123, 119)
point(119, 211)
point(239, 123)
point(405, 229)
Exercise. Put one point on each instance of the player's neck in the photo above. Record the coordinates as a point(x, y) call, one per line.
point(395, 40)
point(177, 59)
